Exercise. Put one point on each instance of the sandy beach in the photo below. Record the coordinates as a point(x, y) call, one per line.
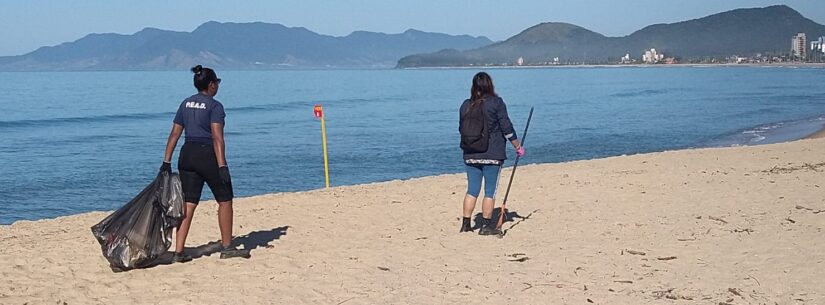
point(739, 225)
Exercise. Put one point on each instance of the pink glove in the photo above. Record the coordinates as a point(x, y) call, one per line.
point(520, 151)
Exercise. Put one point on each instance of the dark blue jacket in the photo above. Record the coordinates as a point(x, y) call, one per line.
point(499, 128)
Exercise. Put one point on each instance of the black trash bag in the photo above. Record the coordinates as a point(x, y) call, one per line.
point(141, 230)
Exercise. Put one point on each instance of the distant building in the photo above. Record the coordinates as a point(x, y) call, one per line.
point(799, 46)
point(626, 59)
point(818, 46)
point(520, 61)
point(652, 57)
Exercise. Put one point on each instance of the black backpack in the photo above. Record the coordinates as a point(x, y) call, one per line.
point(473, 128)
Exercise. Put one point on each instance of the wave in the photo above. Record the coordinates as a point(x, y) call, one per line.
point(648, 92)
point(119, 118)
point(268, 107)
point(82, 120)
point(78, 139)
point(769, 133)
point(753, 113)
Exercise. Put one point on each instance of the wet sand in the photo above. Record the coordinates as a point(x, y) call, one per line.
point(817, 135)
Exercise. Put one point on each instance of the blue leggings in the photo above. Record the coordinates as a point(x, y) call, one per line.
point(475, 173)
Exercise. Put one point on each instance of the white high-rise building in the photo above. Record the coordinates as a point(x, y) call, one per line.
point(799, 46)
point(652, 57)
point(818, 46)
point(626, 59)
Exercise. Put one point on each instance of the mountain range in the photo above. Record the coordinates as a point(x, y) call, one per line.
point(261, 45)
point(741, 32)
point(235, 46)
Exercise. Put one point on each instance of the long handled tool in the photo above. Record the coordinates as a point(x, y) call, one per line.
point(513, 174)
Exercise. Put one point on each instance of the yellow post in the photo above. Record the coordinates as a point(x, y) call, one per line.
point(319, 113)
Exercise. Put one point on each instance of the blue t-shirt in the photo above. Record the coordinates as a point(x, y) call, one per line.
point(196, 114)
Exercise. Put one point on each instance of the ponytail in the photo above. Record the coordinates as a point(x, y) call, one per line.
point(203, 76)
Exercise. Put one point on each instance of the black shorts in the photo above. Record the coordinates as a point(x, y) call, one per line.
point(197, 164)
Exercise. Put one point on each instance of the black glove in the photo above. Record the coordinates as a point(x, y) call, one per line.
point(166, 167)
point(223, 172)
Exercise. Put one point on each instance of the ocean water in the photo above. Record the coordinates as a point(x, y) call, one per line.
point(81, 141)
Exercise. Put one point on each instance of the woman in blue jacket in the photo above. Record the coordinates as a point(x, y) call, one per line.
point(486, 166)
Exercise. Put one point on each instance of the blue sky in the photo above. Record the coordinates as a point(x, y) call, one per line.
point(28, 24)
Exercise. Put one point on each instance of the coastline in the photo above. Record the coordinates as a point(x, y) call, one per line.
point(772, 133)
point(713, 224)
point(817, 135)
point(722, 142)
point(679, 65)
point(759, 91)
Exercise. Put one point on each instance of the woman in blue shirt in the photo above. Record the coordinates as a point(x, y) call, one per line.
point(202, 159)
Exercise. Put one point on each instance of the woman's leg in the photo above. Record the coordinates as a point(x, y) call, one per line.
point(487, 205)
point(469, 205)
point(192, 186)
point(183, 229)
point(474, 175)
point(473, 189)
point(225, 222)
point(491, 174)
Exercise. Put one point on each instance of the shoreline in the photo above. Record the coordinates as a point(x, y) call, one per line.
point(773, 132)
point(677, 65)
point(816, 135)
point(680, 65)
point(820, 133)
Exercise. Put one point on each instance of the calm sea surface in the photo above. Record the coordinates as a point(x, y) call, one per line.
point(81, 141)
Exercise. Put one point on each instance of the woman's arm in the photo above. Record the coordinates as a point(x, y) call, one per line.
point(506, 125)
point(516, 144)
point(174, 136)
point(218, 143)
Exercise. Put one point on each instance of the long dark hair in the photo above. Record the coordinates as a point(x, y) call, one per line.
point(203, 76)
point(482, 87)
